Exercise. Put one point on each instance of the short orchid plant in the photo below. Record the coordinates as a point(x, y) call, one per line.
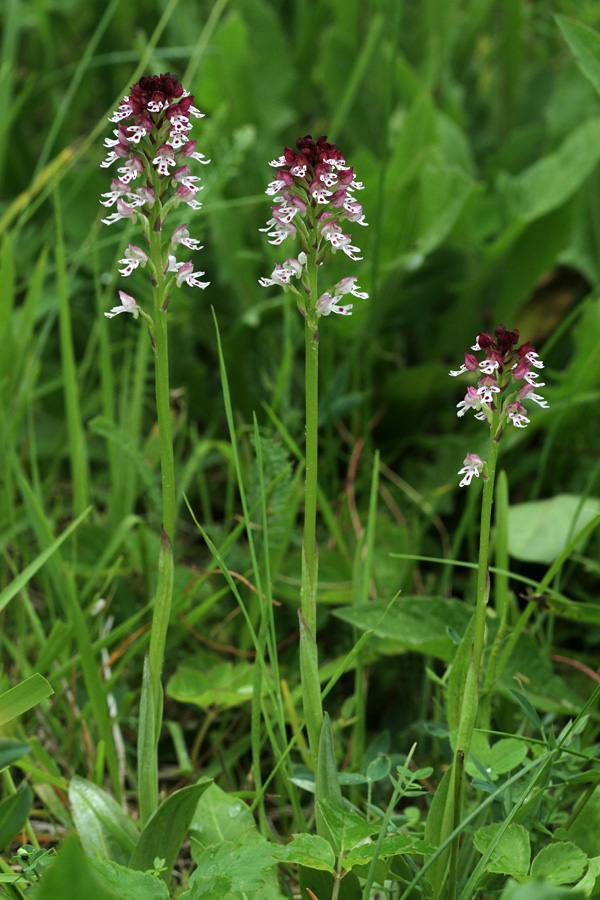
point(152, 144)
point(507, 377)
point(312, 194)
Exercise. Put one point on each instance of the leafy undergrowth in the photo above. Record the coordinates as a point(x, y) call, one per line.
point(475, 128)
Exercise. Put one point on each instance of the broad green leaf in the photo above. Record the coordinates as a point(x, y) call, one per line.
point(246, 865)
point(585, 830)
point(539, 890)
point(511, 854)
point(503, 756)
point(588, 881)
point(439, 824)
point(347, 828)
point(393, 845)
point(10, 751)
point(23, 696)
point(378, 769)
point(552, 180)
point(14, 811)
point(208, 887)
point(128, 884)
point(103, 828)
point(167, 829)
point(540, 530)
point(458, 676)
point(221, 817)
point(584, 43)
point(146, 748)
point(224, 686)
point(308, 850)
point(72, 877)
point(444, 192)
point(559, 863)
point(413, 624)
point(327, 784)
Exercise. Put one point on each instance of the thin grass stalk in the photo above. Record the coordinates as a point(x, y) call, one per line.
point(75, 433)
point(359, 730)
point(275, 692)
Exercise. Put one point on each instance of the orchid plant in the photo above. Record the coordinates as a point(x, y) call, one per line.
point(507, 377)
point(152, 144)
point(312, 194)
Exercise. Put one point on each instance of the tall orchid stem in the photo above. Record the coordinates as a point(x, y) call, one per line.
point(311, 693)
point(164, 587)
point(483, 575)
point(309, 590)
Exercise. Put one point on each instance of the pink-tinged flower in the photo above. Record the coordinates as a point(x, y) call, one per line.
point(187, 195)
point(283, 274)
point(118, 189)
point(131, 169)
point(488, 386)
point(327, 303)
point(183, 175)
point(472, 466)
point(124, 211)
point(181, 235)
point(188, 151)
point(516, 412)
point(471, 364)
point(527, 392)
point(134, 257)
point(185, 273)
point(349, 286)
point(472, 400)
point(128, 305)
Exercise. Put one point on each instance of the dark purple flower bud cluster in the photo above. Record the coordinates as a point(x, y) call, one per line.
point(152, 143)
point(506, 379)
point(312, 193)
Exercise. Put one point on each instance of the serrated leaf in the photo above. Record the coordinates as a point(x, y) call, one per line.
point(308, 850)
point(128, 884)
point(559, 863)
point(167, 828)
point(103, 828)
point(511, 854)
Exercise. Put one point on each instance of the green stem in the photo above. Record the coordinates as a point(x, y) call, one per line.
point(483, 587)
point(309, 664)
point(164, 587)
point(310, 485)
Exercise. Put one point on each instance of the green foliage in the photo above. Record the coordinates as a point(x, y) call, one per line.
point(474, 128)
